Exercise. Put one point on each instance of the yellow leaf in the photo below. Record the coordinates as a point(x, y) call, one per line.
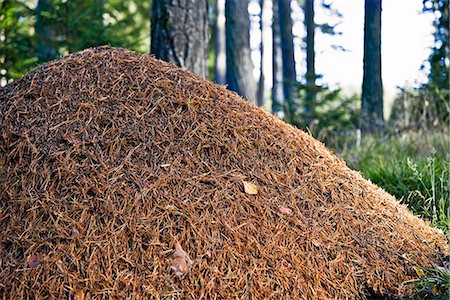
point(170, 208)
point(435, 290)
point(250, 188)
point(420, 272)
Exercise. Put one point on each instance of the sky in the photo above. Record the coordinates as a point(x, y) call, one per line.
point(406, 41)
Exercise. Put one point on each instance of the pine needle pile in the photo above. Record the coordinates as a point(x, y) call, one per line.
point(122, 176)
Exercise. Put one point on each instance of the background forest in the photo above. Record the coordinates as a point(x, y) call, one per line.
point(405, 152)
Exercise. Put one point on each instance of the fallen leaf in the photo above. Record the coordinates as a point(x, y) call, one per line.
point(250, 188)
point(181, 262)
point(435, 290)
point(34, 260)
point(285, 210)
point(79, 295)
point(170, 208)
point(419, 272)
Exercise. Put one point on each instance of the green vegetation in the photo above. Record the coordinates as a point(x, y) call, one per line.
point(433, 283)
point(413, 167)
point(33, 32)
point(333, 116)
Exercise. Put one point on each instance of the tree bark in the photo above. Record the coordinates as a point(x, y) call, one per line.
point(277, 65)
point(310, 61)
point(45, 36)
point(372, 118)
point(239, 64)
point(179, 33)
point(287, 51)
point(261, 95)
point(220, 71)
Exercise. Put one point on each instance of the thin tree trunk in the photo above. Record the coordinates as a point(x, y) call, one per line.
point(287, 50)
point(277, 66)
point(180, 33)
point(220, 47)
point(261, 95)
point(45, 36)
point(372, 119)
point(310, 64)
point(239, 64)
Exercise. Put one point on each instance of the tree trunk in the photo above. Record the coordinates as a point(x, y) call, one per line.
point(287, 51)
point(310, 65)
point(372, 119)
point(261, 95)
point(239, 64)
point(45, 36)
point(179, 33)
point(277, 66)
point(220, 47)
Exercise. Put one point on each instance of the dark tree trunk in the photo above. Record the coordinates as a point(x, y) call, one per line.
point(277, 65)
point(239, 64)
point(220, 44)
point(180, 33)
point(372, 119)
point(310, 65)
point(45, 36)
point(287, 51)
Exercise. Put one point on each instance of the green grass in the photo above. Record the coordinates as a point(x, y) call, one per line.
point(433, 283)
point(415, 168)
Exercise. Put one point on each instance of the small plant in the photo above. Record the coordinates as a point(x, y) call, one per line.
point(432, 199)
point(333, 115)
point(433, 283)
point(415, 168)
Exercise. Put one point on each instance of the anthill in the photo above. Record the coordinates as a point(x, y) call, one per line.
point(122, 176)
